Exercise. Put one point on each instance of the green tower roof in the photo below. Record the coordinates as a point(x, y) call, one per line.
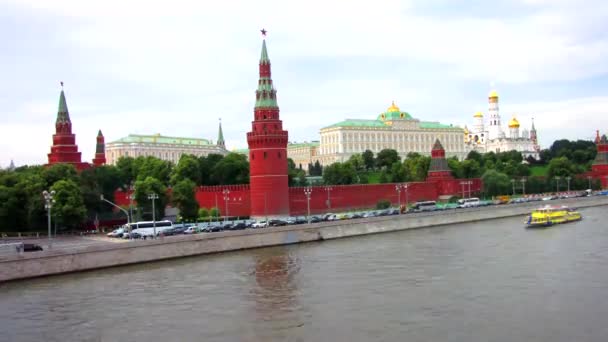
point(62, 113)
point(264, 56)
point(220, 136)
point(99, 134)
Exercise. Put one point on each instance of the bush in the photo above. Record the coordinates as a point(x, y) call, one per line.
point(453, 199)
point(383, 204)
point(203, 213)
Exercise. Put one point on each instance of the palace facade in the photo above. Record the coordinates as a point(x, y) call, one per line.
point(392, 129)
point(162, 147)
point(489, 136)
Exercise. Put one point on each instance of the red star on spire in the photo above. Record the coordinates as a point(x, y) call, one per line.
point(263, 32)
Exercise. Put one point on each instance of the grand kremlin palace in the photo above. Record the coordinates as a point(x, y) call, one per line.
point(392, 129)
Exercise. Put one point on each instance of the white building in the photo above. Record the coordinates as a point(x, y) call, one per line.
point(162, 147)
point(491, 137)
point(392, 129)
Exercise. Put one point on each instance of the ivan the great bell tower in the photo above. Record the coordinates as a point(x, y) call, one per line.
point(267, 150)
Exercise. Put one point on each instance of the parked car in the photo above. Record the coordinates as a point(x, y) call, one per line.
point(259, 224)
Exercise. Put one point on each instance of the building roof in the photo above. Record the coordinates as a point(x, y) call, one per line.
point(478, 115)
point(513, 123)
point(493, 94)
point(384, 120)
point(303, 144)
point(62, 112)
point(160, 139)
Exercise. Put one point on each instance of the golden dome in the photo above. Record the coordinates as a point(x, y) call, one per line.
point(513, 123)
point(478, 115)
point(493, 94)
point(393, 108)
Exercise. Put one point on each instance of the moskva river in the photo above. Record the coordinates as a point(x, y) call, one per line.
point(486, 281)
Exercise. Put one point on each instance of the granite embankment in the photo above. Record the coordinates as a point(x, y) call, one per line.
point(28, 265)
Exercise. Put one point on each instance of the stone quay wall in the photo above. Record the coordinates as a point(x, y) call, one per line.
point(28, 265)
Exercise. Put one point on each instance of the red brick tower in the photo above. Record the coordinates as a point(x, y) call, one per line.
point(267, 150)
point(600, 165)
point(438, 170)
point(100, 150)
point(64, 149)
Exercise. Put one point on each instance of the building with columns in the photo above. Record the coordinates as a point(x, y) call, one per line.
point(163, 147)
point(489, 136)
point(392, 129)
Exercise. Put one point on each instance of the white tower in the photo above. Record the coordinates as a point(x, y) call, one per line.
point(494, 125)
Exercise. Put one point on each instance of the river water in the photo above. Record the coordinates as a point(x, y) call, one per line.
point(486, 281)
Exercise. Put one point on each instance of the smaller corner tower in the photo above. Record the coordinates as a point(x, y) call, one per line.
point(64, 148)
point(100, 150)
point(599, 168)
point(439, 169)
point(534, 137)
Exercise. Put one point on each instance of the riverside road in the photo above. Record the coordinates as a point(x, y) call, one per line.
point(483, 281)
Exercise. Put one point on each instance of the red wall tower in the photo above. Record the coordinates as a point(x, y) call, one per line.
point(267, 150)
point(64, 149)
point(100, 150)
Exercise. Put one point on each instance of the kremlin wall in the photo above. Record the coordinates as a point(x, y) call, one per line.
point(268, 194)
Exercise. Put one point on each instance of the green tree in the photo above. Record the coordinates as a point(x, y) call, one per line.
point(203, 213)
point(232, 169)
point(126, 170)
point(302, 181)
point(69, 207)
point(145, 187)
point(386, 158)
point(183, 197)
point(153, 167)
point(495, 183)
point(57, 172)
point(560, 166)
point(368, 159)
point(474, 155)
point(318, 169)
point(214, 212)
point(340, 173)
point(358, 162)
point(188, 167)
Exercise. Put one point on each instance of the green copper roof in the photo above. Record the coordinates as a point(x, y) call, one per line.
point(359, 123)
point(428, 124)
point(99, 134)
point(159, 139)
point(304, 144)
point(244, 151)
point(264, 56)
point(62, 113)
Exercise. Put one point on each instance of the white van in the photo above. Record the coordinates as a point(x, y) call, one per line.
point(468, 202)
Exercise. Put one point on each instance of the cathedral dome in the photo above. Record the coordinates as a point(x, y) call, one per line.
point(478, 115)
point(513, 123)
point(493, 94)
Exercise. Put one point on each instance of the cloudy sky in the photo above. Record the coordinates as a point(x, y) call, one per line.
point(175, 67)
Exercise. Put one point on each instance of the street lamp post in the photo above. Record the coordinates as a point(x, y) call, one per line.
point(153, 197)
point(406, 186)
point(48, 204)
point(463, 183)
point(308, 193)
point(513, 185)
point(589, 179)
point(462, 186)
point(131, 198)
point(123, 210)
point(568, 180)
point(398, 188)
point(226, 193)
point(328, 189)
point(523, 185)
point(557, 178)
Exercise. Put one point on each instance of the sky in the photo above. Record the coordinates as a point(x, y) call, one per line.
point(176, 67)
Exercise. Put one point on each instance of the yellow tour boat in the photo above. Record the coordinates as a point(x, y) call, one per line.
point(550, 215)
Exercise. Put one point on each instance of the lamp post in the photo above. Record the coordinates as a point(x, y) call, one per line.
point(308, 193)
point(226, 193)
point(123, 210)
point(398, 188)
point(153, 197)
point(462, 186)
point(523, 185)
point(131, 198)
point(589, 180)
point(568, 181)
point(513, 185)
point(48, 204)
point(406, 186)
point(328, 189)
point(463, 183)
point(557, 178)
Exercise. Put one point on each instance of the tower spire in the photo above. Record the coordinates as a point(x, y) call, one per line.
point(63, 115)
point(220, 137)
point(100, 150)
